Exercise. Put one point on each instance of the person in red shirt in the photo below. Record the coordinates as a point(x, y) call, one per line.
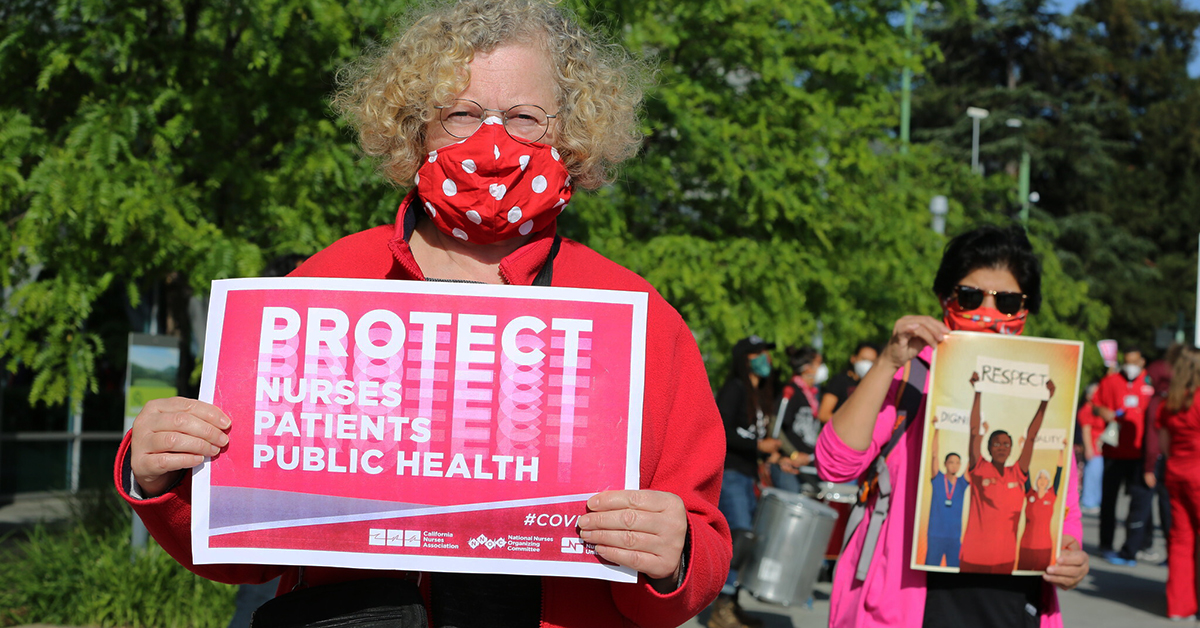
point(473, 98)
point(1091, 427)
point(1037, 543)
point(1122, 398)
point(1180, 420)
point(997, 493)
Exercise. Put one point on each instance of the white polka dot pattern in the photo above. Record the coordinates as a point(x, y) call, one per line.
point(490, 187)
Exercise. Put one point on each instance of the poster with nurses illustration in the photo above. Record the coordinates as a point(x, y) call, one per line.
point(419, 426)
point(995, 457)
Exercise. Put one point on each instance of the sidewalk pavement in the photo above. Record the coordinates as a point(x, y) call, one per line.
point(1109, 596)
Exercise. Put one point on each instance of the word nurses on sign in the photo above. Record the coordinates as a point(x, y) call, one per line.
point(417, 425)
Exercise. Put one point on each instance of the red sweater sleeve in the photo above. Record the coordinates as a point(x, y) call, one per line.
point(688, 433)
point(168, 517)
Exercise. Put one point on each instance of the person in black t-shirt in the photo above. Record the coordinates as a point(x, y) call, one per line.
point(842, 385)
point(795, 423)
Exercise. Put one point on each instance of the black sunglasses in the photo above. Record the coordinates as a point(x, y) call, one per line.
point(972, 298)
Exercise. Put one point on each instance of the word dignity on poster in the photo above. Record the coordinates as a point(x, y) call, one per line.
point(417, 425)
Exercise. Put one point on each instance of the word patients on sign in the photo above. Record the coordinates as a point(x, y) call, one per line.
point(418, 425)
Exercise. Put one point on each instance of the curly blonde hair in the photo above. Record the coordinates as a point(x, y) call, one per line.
point(388, 95)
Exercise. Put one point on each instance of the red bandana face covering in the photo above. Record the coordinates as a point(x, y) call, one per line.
point(982, 319)
point(490, 187)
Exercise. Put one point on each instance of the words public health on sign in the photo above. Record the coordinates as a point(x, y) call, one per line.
point(417, 425)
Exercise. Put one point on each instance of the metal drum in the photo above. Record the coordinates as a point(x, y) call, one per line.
point(792, 532)
point(840, 497)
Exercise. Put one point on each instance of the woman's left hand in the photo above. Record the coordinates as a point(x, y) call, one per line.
point(642, 530)
point(1071, 567)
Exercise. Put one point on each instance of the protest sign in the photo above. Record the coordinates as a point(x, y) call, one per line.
point(1108, 352)
point(995, 458)
point(417, 425)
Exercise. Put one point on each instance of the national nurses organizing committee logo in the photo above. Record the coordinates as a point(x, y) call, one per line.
point(486, 542)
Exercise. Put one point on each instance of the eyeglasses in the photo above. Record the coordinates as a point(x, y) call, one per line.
point(970, 298)
point(524, 123)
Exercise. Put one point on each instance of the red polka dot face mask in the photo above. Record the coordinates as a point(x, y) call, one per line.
point(490, 187)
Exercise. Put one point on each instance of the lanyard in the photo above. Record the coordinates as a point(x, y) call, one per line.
point(949, 491)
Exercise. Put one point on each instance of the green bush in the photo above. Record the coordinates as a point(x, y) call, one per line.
point(85, 574)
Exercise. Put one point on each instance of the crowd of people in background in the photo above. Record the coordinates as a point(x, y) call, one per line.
point(1139, 429)
point(773, 415)
point(1129, 422)
point(856, 428)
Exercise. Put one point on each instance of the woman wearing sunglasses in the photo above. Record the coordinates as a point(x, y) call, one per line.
point(989, 280)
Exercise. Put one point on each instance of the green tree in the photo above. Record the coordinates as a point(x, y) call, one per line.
point(173, 143)
point(1103, 98)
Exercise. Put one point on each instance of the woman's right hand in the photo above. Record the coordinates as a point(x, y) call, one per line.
point(910, 336)
point(173, 434)
point(769, 445)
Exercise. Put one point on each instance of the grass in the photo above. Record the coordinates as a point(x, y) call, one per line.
point(85, 573)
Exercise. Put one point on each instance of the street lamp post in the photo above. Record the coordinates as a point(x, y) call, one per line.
point(1023, 177)
point(906, 78)
point(976, 114)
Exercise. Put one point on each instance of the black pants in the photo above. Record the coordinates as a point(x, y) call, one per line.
point(1139, 526)
point(1117, 473)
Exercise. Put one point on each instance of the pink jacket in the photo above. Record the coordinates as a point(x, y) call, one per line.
point(892, 594)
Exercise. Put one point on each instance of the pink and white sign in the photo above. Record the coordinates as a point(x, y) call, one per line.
point(417, 425)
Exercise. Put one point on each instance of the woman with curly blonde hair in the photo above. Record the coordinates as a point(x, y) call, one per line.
point(492, 112)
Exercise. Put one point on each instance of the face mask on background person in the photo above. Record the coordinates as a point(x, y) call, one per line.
point(760, 365)
point(1131, 371)
point(822, 375)
point(861, 367)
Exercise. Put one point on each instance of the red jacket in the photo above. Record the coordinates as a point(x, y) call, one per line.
point(1119, 394)
point(683, 443)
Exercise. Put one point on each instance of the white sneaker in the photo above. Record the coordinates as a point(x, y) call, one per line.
point(1150, 556)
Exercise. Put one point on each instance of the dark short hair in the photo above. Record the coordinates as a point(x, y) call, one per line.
point(992, 247)
point(1134, 349)
point(799, 356)
point(992, 438)
point(947, 458)
point(865, 345)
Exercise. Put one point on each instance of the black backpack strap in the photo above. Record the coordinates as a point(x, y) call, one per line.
point(546, 274)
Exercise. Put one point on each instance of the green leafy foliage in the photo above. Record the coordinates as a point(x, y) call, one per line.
point(86, 574)
point(1109, 117)
point(184, 141)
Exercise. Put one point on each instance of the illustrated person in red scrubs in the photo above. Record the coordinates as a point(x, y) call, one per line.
point(997, 493)
point(1037, 544)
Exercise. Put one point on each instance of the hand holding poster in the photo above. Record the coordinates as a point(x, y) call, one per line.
point(991, 498)
point(423, 426)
